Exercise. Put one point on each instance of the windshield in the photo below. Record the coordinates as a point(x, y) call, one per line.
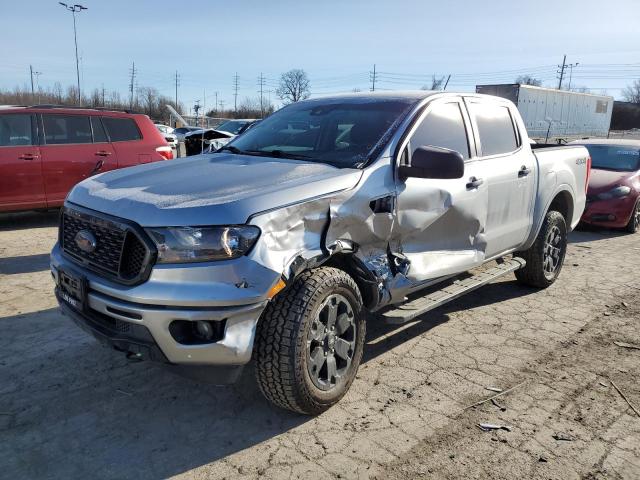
point(338, 132)
point(232, 126)
point(619, 158)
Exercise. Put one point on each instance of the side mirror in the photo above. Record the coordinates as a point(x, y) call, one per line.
point(434, 162)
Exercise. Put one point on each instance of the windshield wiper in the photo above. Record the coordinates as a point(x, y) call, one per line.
point(232, 149)
point(279, 154)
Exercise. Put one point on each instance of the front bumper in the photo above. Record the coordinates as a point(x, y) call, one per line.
point(124, 319)
point(614, 213)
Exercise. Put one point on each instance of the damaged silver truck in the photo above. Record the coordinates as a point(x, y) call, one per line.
point(331, 211)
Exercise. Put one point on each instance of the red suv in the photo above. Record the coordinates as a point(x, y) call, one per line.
point(46, 150)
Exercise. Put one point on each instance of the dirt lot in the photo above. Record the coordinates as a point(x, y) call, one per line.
point(71, 409)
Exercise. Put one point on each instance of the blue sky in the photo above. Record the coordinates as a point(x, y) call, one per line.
point(336, 42)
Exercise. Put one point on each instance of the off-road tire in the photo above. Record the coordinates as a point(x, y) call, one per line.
point(534, 274)
point(634, 222)
point(280, 349)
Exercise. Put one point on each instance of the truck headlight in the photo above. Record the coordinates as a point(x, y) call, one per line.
point(202, 244)
point(616, 192)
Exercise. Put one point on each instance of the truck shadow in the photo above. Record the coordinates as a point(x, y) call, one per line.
point(62, 393)
point(24, 264)
point(594, 234)
point(382, 337)
point(33, 219)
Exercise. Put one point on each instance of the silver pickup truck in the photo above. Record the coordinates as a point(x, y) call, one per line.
point(329, 212)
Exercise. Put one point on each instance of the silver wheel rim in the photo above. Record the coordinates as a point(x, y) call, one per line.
point(552, 252)
point(636, 217)
point(331, 342)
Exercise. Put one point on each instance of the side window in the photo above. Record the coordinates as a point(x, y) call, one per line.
point(15, 130)
point(495, 127)
point(99, 135)
point(121, 129)
point(62, 129)
point(443, 127)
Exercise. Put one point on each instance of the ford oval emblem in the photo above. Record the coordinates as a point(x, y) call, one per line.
point(86, 241)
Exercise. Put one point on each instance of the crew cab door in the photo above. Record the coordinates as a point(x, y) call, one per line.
point(441, 223)
point(509, 169)
point(21, 183)
point(70, 155)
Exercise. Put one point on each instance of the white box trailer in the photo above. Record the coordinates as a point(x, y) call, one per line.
point(559, 113)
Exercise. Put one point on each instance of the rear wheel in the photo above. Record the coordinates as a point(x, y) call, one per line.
point(546, 256)
point(634, 222)
point(309, 341)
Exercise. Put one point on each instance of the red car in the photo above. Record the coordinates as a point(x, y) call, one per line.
point(45, 150)
point(613, 196)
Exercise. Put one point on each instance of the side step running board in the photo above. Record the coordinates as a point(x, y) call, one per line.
point(410, 310)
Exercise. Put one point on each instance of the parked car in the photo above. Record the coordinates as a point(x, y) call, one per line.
point(46, 150)
point(169, 136)
point(613, 198)
point(236, 126)
point(280, 245)
point(180, 132)
point(164, 128)
point(205, 140)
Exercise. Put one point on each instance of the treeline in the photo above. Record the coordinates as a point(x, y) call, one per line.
point(147, 100)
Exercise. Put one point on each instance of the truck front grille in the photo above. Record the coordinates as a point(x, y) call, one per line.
point(121, 253)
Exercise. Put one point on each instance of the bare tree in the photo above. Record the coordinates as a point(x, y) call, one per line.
point(436, 83)
point(294, 86)
point(632, 92)
point(528, 80)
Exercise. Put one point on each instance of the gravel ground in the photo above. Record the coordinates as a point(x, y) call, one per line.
point(70, 409)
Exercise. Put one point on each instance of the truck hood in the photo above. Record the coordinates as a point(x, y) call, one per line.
point(216, 189)
point(607, 179)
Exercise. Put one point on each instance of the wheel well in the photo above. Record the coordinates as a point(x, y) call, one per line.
point(366, 281)
point(563, 203)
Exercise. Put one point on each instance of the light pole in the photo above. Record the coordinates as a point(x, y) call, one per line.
point(75, 9)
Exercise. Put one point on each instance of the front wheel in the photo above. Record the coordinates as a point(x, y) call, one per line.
point(546, 256)
point(309, 341)
point(634, 222)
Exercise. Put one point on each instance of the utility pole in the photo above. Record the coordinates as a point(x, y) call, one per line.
point(75, 9)
point(447, 82)
point(571, 65)
point(222, 107)
point(196, 107)
point(33, 93)
point(216, 104)
point(561, 72)
point(261, 84)
point(177, 82)
point(373, 78)
point(132, 84)
point(235, 92)
point(103, 92)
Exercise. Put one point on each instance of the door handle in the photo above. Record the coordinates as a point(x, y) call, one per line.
point(524, 171)
point(28, 156)
point(474, 183)
point(103, 153)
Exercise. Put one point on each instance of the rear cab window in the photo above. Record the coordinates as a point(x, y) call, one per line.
point(66, 129)
point(496, 128)
point(121, 129)
point(16, 129)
